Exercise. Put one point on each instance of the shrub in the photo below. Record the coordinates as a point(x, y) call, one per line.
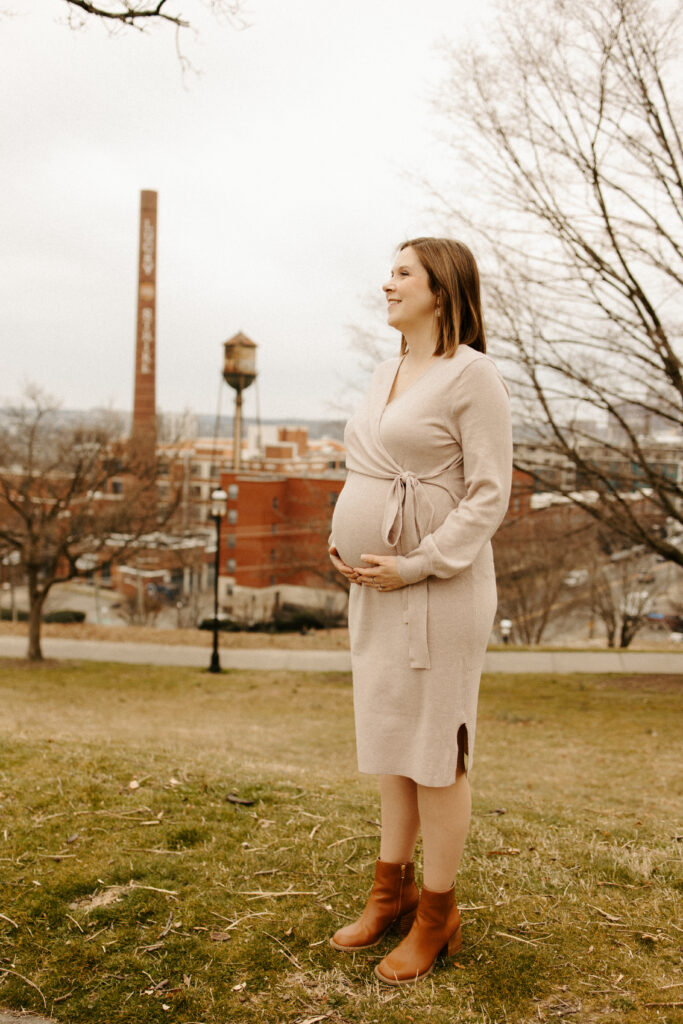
point(64, 615)
point(6, 615)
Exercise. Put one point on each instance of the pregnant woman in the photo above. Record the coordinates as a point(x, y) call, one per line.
point(429, 454)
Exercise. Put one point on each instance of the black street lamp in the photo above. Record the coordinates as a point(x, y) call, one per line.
point(219, 504)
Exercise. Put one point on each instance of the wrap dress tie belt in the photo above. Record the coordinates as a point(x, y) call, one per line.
point(408, 516)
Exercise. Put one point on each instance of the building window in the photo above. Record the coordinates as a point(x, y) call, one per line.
point(274, 502)
point(233, 491)
point(196, 469)
point(333, 498)
point(230, 565)
point(231, 540)
point(117, 487)
point(274, 528)
point(273, 554)
point(214, 470)
point(272, 581)
point(232, 515)
point(195, 491)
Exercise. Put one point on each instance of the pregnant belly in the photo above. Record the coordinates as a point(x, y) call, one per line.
point(357, 519)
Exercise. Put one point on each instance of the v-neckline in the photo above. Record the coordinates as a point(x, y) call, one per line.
point(390, 401)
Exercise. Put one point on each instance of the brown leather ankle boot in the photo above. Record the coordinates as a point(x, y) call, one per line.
point(393, 899)
point(436, 927)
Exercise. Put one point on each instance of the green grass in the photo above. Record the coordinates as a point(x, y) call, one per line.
point(164, 901)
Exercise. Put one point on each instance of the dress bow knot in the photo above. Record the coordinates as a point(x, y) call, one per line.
point(407, 519)
point(407, 513)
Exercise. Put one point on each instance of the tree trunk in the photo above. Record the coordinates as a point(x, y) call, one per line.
point(36, 601)
point(629, 627)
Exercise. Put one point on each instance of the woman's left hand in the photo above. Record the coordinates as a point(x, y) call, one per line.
point(382, 575)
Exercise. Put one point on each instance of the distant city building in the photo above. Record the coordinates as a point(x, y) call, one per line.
point(645, 420)
point(665, 458)
point(276, 528)
point(196, 465)
point(552, 470)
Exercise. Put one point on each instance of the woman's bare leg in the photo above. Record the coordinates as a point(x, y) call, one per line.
point(400, 818)
point(444, 813)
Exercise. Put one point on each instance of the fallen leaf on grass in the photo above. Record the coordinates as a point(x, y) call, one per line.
point(101, 899)
point(232, 798)
point(509, 851)
point(239, 988)
point(219, 936)
point(133, 784)
point(648, 937)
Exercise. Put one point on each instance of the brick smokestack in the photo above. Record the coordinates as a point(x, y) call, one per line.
point(144, 432)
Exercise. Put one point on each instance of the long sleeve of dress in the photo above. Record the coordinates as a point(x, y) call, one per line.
point(481, 424)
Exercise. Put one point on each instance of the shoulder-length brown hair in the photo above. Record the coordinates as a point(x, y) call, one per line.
point(454, 280)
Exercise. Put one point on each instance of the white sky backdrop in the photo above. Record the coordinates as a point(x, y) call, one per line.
point(282, 173)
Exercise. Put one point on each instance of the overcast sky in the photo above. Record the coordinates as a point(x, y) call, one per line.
point(283, 179)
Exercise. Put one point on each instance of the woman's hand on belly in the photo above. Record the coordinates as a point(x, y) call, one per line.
point(382, 574)
point(341, 566)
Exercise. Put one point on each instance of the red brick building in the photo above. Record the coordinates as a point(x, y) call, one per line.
point(276, 528)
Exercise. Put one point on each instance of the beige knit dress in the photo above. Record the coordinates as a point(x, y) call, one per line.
point(429, 480)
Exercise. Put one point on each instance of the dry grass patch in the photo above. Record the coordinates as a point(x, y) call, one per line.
point(178, 847)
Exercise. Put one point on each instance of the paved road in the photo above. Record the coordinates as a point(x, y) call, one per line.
point(548, 662)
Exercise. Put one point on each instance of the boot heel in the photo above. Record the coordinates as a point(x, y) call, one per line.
point(405, 923)
point(455, 941)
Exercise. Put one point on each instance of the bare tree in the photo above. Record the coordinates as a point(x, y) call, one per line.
point(621, 587)
point(529, 585)
point(568, 133)
point(533, 555)
point(56, 500)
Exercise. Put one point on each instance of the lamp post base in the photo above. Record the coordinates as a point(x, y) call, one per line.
point(215, 665)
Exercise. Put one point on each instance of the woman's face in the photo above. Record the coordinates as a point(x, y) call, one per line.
point(410, 300)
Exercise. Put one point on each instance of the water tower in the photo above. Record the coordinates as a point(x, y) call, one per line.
point(239, 371)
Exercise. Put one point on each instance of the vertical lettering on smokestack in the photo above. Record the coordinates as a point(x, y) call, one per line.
point(144, 408)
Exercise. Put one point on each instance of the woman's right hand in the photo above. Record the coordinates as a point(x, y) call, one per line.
point(342, 567)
